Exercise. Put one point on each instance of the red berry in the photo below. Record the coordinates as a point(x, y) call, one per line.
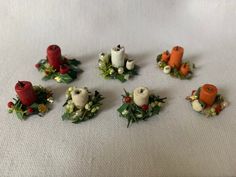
point(64, 69)
point(218, 109)
point(127, 99)
point(144, 107)
point(10, 104)
point(37, 65)
point(30, 110)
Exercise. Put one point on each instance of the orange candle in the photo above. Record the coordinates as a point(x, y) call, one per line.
point(208, 94)
point(165, 56)
point(184, 69)
point(176, 57)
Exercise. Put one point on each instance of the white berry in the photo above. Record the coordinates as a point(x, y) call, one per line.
point(197, 106)
point(167, 69)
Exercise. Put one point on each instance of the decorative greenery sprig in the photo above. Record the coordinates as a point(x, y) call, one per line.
point(77, 114)
point(134, 113)
point(40, 106)
point(68, 70)
point(201, 107)
point(109, 72)
point(174, 72)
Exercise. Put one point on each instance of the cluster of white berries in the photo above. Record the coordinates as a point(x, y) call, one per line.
point(166, 69)
point(89, 105)
point(104, 59)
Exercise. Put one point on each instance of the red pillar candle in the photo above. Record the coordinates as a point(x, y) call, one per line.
point(25, 92)
point(176, 57)
point(54, 56)
point(208, 94)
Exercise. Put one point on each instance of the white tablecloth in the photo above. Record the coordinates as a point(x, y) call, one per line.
point(177, 142)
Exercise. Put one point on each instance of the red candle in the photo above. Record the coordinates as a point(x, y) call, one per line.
point(25, 92)
point(208, 94)
point(54, 56)
point(176, 57)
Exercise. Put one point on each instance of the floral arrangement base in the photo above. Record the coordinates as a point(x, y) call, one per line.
point(133, 113)
point(200, 107)
point(67, 73)
point(174, 72)
point(40, 106)
point(109, 72)
point(77, 114)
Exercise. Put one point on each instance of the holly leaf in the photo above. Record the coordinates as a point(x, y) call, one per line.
point(74, 62)
point(48, 77)
point(122, 108)
point(159, 57)
point(65, 78)
point(65, 116)
point(34, 106)
point(20, 115)
point(120, 77)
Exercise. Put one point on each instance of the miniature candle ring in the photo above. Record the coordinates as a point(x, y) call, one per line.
point(207, 101)
point(171, 63)
point(140, 105)
point(81, 105)
point(30, 100)
point(58, 67)
point(116, 65)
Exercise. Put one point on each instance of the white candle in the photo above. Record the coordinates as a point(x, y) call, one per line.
point(80, 97)
point(141, 96)
point(130, 64)
point(118, 56)
point(104, 57)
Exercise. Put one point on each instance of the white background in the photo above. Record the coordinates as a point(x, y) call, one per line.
point(178, 142)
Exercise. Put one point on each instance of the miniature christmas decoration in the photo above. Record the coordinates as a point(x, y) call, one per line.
point(171, 63)
point(140, 105)
point(81, 104)
point(207, 101)
point(116, 65)
point(30, 100)
point(58, 67)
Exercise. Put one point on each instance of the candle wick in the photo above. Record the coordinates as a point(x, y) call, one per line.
point(167, 52)
point(141, 91)
point(77, 92)
point(177, 47)
point(21, 84)
point(118, 47)
point(209, 89)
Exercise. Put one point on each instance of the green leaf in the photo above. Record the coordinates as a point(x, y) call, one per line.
point(120, 77)
point(159, 57)
point(20, 115)
point(66, 116)
point(73, 74)
point(48, 77)
point(34, 106)
point(74, 62)
point(122, 108)
point(198, 92)
point(65, 78)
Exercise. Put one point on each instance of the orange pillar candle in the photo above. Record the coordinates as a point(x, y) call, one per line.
point(176, 57)
point(165, 56)
point(208, 94)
